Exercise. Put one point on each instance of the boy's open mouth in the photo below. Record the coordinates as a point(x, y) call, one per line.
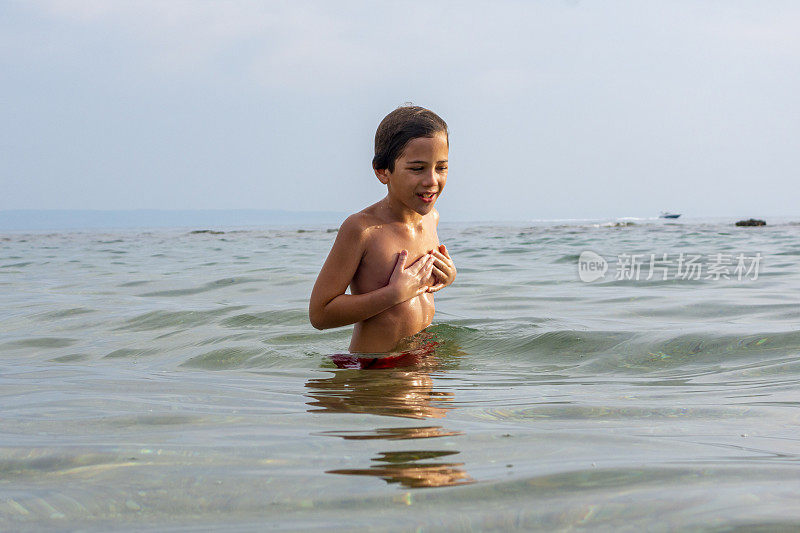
point(427, 196)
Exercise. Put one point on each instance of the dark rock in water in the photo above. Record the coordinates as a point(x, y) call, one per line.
point(209, 231)
point(751, 222)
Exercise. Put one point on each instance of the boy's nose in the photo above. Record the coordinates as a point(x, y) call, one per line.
point(430, 178)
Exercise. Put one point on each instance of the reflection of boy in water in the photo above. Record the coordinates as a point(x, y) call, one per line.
point(405, 468)
point(388, 300)
point(403, 388)
point(395, 393)
point(403, 392)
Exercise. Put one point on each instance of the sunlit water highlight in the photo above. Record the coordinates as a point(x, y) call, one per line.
point(167, 379)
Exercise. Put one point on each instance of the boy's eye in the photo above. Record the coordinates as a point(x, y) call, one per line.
point(415, 169)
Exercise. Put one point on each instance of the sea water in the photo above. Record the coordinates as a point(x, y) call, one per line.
point(169, 380)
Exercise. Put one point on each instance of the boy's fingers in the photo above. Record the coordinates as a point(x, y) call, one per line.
point(445, 271)
point(443, 249)
point(419, 263)
point(434, 288)
point(442, 264)
point(443, 258)
point(401, 262)
point(420, 266)
point(440, 272)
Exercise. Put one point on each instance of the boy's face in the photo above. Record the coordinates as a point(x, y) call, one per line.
point(419, 173)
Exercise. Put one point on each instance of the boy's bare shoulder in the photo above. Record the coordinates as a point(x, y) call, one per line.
point(358, 225)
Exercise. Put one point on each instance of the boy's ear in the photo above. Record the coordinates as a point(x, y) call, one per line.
point(382, 174)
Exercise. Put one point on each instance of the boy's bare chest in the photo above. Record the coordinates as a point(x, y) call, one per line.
point(381, 254)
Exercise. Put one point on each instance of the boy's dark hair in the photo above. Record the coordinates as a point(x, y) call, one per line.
point(399, 127)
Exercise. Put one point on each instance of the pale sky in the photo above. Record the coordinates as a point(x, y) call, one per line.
point(557, 109)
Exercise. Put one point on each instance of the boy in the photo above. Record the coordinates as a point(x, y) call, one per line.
point(389, 253)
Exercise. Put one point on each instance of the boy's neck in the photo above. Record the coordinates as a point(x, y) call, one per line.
point(397, 212)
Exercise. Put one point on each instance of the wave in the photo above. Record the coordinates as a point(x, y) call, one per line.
point(213, 285)
point(234, 358)
point(628, 352)
point(155, 320)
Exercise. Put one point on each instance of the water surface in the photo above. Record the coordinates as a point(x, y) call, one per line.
point(170, 379)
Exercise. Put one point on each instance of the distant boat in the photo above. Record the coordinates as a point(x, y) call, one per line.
point(664, 214)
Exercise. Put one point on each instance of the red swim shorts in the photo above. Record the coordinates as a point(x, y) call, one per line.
point(409, 358)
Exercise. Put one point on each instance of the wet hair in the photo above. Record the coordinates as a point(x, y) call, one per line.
point(399, 127)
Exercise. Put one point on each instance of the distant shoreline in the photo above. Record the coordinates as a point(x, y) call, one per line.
point(56, 220)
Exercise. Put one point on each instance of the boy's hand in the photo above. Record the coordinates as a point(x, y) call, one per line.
point(410, 282)
point(443, 269)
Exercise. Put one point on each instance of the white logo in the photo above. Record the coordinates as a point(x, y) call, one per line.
point(591, 266)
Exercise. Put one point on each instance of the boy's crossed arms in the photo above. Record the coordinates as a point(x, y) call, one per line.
point(331, 307)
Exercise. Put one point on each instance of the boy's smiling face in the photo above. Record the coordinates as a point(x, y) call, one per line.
point(419, 174)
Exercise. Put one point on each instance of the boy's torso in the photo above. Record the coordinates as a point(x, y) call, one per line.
point(384, 241)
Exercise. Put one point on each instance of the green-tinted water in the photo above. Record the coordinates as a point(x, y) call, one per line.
point(171, 380)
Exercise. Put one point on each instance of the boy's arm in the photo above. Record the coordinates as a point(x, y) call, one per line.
point(330, 307)
point(444, 270)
